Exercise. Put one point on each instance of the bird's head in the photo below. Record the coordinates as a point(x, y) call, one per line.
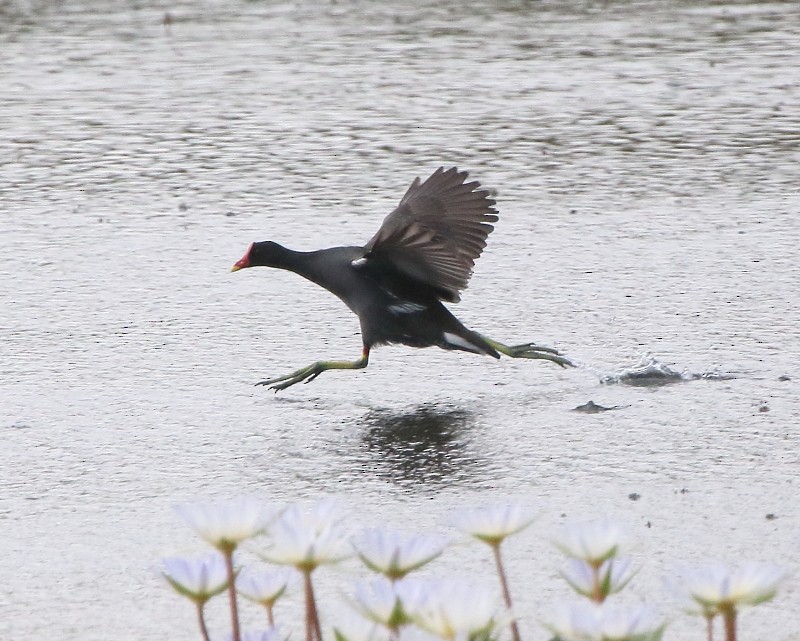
point(263, 254)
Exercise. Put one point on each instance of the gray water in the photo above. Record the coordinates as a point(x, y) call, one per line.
point(645, 158)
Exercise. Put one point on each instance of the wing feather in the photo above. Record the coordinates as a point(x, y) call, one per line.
point(437, 232)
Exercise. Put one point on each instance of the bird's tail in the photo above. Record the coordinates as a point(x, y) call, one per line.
point(468, 341)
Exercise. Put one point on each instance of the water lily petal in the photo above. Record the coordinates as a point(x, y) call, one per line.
point(591, 541)
point(225, 524)
point(493, 523)
point(197, 578)
point(394, 554)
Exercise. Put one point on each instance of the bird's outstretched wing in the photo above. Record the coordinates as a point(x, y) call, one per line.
point(437, 232)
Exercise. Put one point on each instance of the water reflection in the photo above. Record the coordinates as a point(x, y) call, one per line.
point(427, 445)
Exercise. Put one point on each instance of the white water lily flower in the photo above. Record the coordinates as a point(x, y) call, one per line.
point(307, 539)
point(638, 623)
point(591, 541)
point(225, 524)
point(584, 621)
point(716, 586)
point(196, 578)
point(380, 602)
point(414, 593)
point(264, 587)
point(593, 582)
point(395, 555)
point(493, 523)
point(353, 627)
point(452, 609)
point(677, 589)
point(573, 622)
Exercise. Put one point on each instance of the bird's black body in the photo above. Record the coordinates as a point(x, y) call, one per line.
point(392, 308)
point(423, 254)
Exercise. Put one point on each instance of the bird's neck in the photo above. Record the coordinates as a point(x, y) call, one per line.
point(329, 268)
point(310, 265)
point(281, 257)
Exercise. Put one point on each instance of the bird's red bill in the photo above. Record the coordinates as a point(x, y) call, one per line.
point(244, 261)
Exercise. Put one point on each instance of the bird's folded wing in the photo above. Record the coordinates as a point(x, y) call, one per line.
point(437, 232)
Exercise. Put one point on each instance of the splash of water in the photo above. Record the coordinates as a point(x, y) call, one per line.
point(650, 372)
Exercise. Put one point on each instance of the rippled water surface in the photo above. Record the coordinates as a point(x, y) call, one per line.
point(645, 158)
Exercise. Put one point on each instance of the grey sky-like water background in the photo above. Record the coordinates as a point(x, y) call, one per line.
point(645, 162)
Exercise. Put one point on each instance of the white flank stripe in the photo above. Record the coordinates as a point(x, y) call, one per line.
point(406, 308)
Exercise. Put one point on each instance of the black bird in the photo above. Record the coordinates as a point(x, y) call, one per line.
point(423, 254)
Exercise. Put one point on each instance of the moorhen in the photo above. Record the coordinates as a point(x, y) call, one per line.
point(423, 254)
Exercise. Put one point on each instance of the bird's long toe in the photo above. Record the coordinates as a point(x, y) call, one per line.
point(539, 352)
point(533, 347)
point(271, 381)
point(287, 380)
point(282, 383)
point(560, 360)
point(313, 376)
point(282, 386)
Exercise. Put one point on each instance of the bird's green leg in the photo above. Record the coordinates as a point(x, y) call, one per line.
point(309, 373)
point(530, 350)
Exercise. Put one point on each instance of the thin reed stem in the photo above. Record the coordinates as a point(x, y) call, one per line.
point(506, 593)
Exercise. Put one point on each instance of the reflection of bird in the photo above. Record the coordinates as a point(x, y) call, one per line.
point(421, 447)
point(422, 254)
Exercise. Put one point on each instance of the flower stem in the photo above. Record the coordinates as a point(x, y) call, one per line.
point(201, 619)
point(710, 626)
point(270, 616)
point(228, 554)
point(597, 592)
point(504, 585)
point(729, 619)
point(309, 615)
point(313, 630)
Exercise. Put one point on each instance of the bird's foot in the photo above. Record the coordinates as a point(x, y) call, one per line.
point(540, 352)
point(532, 351)
point(310, 372)
point(304, 374)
